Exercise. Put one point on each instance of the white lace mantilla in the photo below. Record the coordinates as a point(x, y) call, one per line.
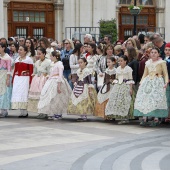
point(124, 73)
point(111, 71)
point(82, 74)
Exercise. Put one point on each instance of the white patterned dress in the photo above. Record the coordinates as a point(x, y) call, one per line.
point(120, 99)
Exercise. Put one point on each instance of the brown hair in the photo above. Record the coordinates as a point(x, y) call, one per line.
point(108, 46)
point(46, 42)
point(57, 55)
point(131, 53)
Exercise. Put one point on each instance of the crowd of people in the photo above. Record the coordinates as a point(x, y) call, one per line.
point(122, 81)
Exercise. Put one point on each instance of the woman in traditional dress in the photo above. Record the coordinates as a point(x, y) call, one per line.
point(151, 98)
point(30, 46)
point(56, 92)
point(120, 96)
point(5, 82)
point(74, 62)
point(40, 74)
point(103, 95)
point(83, 97)
point(22, 78)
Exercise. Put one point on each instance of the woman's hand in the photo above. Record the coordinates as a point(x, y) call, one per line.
point(7, 82)
point(59, 89)
point(101, 74)
point(90, 91)
point(75, 84)
point(165, 86)
point(131, 92)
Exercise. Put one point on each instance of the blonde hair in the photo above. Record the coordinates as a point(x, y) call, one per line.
point(118, 48)
point(71, 43)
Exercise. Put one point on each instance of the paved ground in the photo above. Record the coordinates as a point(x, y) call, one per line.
point(32, 144)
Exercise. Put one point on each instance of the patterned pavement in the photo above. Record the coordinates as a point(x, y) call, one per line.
point(70, 145)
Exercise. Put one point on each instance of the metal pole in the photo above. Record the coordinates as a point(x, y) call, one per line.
point(135, 17)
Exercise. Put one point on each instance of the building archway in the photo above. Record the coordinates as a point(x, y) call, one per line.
point(146, 20)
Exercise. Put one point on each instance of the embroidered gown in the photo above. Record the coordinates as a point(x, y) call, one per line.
point(22, 78)
point(41, 72)
point(81, 102)
point(120, 99)
point(151, 96)
point(51, 102)
point(103, 95)
point(5, 92)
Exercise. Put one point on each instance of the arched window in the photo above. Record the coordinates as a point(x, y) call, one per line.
point(139, 2)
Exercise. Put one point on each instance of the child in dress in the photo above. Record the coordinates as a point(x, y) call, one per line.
point(40, 74)
point(103, 95)
point(120, 95)
point(83, 97)
point(55, 94)
point(151, 97)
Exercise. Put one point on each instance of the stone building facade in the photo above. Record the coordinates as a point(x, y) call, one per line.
point(54, 18)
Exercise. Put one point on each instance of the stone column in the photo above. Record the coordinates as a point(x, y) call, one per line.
point(1, 20)
point(58, 6)
point(160, 14)
point(167, 23)
point(5, 18)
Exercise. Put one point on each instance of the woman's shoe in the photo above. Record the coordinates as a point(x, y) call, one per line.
point(82, 119)
point(39, 116)
point(3, 115)
point(25, 116)
point(143, 123)
point(123, 122)
point(154, 123)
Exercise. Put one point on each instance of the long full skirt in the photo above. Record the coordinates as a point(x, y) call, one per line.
point(51, 102)
point(84, 106)
point(102, 100)
point(34, 92)
point(20, 90)
point(151, 98)
point(5, 92)
point(119, 102)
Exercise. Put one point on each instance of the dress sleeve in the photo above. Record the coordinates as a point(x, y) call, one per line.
point(165, 72)
point(146, 72)
point(48, 69)
point(130, 77)
point(15, 70)
point(35, 69)
point(60, 77)
point(72, 64)
point(8, 62)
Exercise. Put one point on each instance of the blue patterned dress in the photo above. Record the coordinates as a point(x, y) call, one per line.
point(5, 92)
